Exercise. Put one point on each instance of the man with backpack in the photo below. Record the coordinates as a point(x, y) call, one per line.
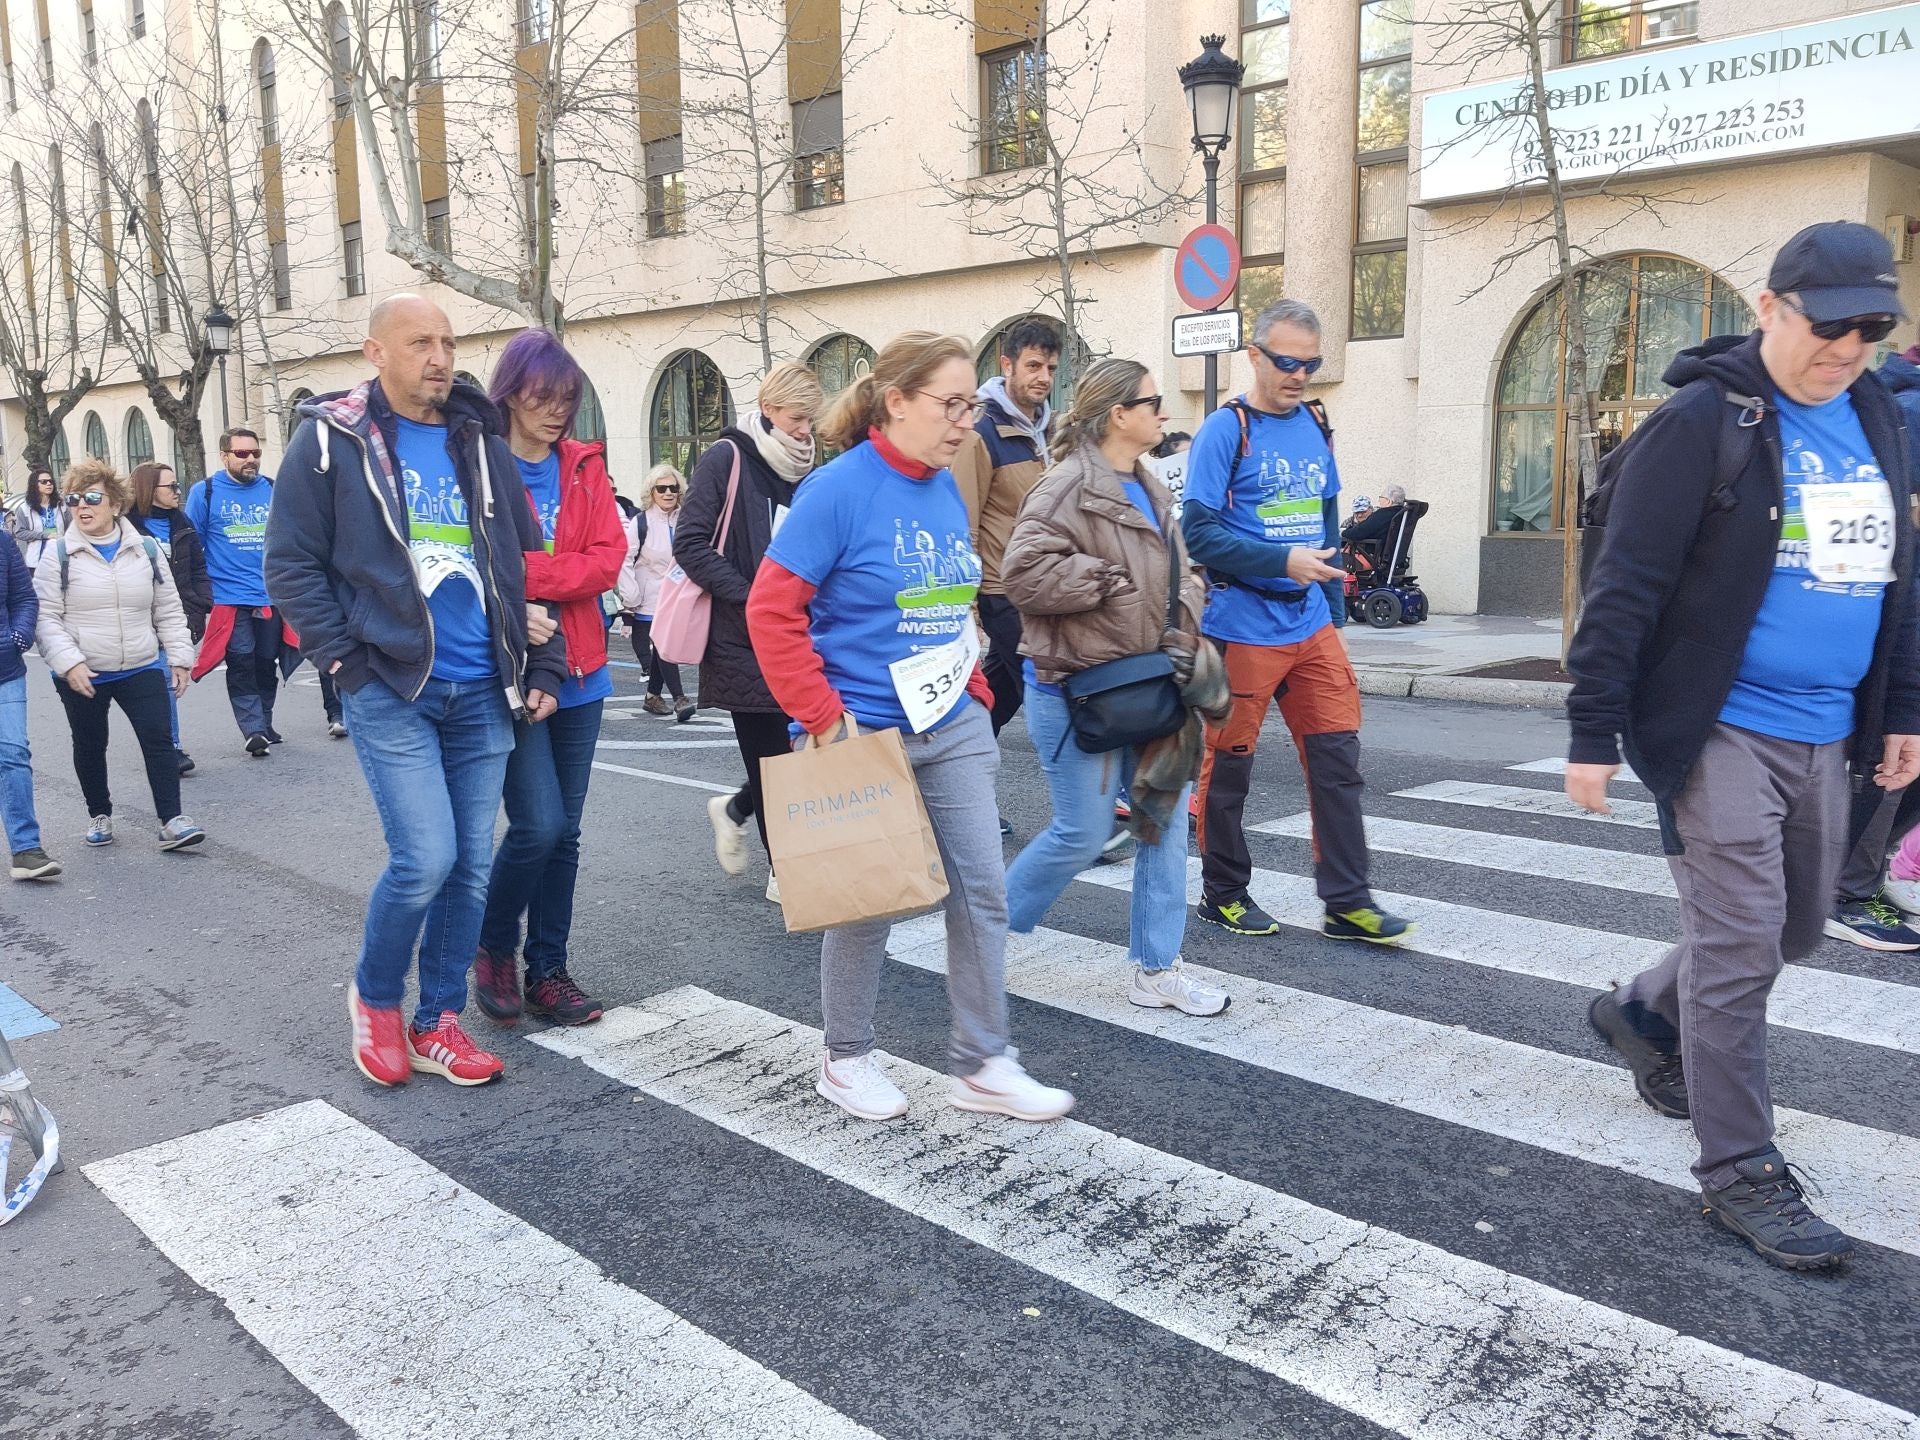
point(1749, 632)
point(1261, 514)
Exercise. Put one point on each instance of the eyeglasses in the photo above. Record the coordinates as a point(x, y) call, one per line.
point(86, 497)
point(1153, 400)
point(960, 409)
point(666, 489)
point(1873, 328)
point(244, 454)
point(1287, 365)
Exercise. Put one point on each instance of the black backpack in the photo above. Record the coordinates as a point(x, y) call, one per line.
point(1733, 448)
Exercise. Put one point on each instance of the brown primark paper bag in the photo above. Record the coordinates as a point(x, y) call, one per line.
point(849, 832)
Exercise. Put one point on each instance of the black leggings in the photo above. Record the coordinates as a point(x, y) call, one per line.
point(142, 696)
point(659, 672)
point(761, 737)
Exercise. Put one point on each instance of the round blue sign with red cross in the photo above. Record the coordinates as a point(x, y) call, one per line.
point(1207, 267)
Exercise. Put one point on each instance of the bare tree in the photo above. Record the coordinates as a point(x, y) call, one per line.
point(1066, 168)
point(52, 350)
point(767, 154)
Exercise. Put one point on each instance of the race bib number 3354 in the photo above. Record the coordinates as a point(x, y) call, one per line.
point(931, 682)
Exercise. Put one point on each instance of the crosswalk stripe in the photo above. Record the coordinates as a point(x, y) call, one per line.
point(1516, 854)
point(1562, 1103)
point(1525, 800)
point(1557, 765)
point(1392, 1329)
point(664, 778)
point(395, 1294)
point(1822, 1002)
point(666, 745)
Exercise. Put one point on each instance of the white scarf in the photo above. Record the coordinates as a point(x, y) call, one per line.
point(791, 459)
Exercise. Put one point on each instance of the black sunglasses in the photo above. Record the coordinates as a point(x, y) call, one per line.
point(86, 497)
point(666, 489)
point(168, 485)
point(1287, 365)
point(1873, 328)
point(1153, 400)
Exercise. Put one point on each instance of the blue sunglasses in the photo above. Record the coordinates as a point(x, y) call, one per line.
point(1287, 365)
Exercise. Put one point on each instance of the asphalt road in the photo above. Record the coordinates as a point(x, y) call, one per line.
point(1388, 1192)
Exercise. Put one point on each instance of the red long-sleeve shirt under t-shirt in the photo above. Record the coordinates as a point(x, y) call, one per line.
point(778, 621)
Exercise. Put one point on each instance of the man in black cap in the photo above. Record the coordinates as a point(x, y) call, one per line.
point(1750, 633)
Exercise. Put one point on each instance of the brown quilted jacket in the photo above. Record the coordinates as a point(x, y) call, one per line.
point(1089, 574)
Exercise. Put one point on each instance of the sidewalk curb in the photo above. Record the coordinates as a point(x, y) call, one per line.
point(1475, 689)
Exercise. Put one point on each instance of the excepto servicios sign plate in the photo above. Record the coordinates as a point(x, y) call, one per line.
point(1212, 332)
point(1837, 82)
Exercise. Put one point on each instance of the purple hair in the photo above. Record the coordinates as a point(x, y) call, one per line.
point(537, 365)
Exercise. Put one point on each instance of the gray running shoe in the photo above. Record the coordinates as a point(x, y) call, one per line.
point(1767, 1208)
point(1657, 1073)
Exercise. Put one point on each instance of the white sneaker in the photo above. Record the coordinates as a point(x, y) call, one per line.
point(860, 1087)
point(729, 839)
point(180, 832)
point(1001, 1087)
point(1903, 895)
point(1172, 988)
point(100, 830)
point(773, 889)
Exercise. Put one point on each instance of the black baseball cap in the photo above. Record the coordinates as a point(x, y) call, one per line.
point(1838, 270)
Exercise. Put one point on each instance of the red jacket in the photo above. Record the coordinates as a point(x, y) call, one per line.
point(589, 547)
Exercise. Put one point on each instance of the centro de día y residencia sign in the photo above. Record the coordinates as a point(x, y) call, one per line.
point(1838, 82)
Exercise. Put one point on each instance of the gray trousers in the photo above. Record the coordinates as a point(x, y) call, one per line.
point(955, 767)
point(1764, 822)
point(1871, 829)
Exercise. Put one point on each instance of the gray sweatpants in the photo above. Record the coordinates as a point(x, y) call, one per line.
point(955, 767)
point(1764, 822)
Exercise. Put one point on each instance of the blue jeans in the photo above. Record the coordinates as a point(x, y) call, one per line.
point(16, 769)
point(1084, 788)
point(539, 860)
point(173, 702)
point(435, 768)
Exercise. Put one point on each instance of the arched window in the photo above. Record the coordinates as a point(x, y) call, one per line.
point(839, 360)
point(291, 421)
point(57, 456)
point(691, 406)
point(1641, 310)
point(139, 439)
point(589, 421)
point(1072, 365)
point(94, 436)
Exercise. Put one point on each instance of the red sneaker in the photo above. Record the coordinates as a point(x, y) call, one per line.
point(378, 1047)
point(496, 985)
point(446, 1050)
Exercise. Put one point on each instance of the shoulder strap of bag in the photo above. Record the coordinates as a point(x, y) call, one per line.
point(1174, 567)
point(60, 548)
point(733, 492)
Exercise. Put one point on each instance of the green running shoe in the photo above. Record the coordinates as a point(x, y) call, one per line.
point(1376, 927)
point(1241, 916)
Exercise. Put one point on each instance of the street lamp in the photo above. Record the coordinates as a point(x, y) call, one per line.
point(219, 327)
point(1212, 83)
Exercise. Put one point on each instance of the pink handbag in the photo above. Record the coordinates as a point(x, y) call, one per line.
point(684, 611)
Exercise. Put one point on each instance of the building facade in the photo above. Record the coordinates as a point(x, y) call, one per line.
point(919, 162)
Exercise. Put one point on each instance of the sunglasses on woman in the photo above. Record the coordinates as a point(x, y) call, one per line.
point(1287, 365)
point(1153, 400)
point(86, 497)
point(1873, 328)
point(666, 489)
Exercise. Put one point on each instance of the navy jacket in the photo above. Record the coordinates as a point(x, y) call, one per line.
point(1676, 588)
point(19, 612)
point(338, 565)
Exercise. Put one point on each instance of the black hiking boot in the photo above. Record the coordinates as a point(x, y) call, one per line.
point(1767, 1208)
point(1656, 1071)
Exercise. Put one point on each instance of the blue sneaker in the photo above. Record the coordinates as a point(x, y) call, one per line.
point(1872, 925)
point(100, 830)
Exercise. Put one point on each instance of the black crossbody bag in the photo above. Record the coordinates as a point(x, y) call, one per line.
point(1131, 700)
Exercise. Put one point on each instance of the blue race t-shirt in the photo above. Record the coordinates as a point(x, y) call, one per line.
point(1277, 492)
point(442, 547)
point(895, 571)
point(232, 521)
point(1813, 639)
point(542, 479)
point(160, 527)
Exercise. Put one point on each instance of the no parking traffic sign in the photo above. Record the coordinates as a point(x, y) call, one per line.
point(1206, 267)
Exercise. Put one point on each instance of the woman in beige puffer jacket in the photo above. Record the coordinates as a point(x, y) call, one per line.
point(108, 608)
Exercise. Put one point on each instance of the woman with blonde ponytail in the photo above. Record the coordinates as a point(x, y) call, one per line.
point(1087, 566)
point(868, 587)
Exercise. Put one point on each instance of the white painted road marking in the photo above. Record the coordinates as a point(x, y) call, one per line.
point(664, 778)
point(1392, 1329)
point(395, 1294)
point(1562, 1103)
point(665, 745)
point(1557, 765)
point(1823, 1002)
point(1524, 800)
point(1516, 854)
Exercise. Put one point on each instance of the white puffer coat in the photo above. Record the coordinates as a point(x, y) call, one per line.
point(113, 615)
